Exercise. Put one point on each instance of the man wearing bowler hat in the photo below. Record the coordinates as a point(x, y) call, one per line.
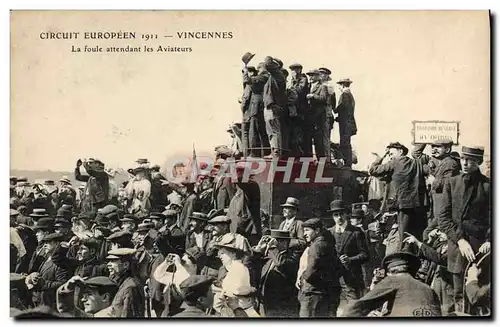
point(442, 166)
point(352, 252)
point(346, 120)
point(399, 294)
point(407, 178)
point(198, 236)
point(292, 224)
point(276, 292)
point(315, 116)
point(464, 214)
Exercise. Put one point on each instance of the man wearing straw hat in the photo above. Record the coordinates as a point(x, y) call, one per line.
point(464, 214)
point(292, 224)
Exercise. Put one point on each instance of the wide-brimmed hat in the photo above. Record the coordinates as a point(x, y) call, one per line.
point(291, 203)
point(44, 224)
point(199, 216)
point(337, 205)
point(231, 242)
point(324, 70)
point(39, 213)
point(473, 151)
point(345, 81)
point(276, 233)
point(397, 145)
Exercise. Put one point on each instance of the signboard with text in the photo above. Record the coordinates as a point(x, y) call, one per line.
point(432, 130)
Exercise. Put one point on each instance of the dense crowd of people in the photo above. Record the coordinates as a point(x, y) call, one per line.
point(203, 247)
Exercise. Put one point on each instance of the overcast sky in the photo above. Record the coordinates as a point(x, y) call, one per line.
point(119, 107)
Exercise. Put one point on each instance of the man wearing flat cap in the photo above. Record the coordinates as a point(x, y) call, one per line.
point(45, 281)
point(96, 191)
point(464, 214)
point(407, 178)
point(274, 105)
point(317, 277)
point(399, 294)
point(441, 165)
point(96, 295)
point(315, 116)
point(346, 120)
point(129, 300)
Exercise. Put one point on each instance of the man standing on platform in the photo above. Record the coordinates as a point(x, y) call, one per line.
point(345, 118)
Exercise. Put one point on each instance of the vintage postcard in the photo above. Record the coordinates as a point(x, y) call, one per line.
point(258, 164)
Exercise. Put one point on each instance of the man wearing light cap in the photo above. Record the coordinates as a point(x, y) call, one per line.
point(129, 300)
point(315, 117)
point(96, 296)
point(442, 166)
point(464, 214)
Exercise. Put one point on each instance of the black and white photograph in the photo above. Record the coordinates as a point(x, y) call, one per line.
point(250, 164)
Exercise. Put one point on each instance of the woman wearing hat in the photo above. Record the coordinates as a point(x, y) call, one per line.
point(237, 275)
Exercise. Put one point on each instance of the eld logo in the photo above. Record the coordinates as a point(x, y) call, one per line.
point(422, 312)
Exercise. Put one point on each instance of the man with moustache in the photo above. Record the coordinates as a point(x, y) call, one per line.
point(442, 166)
point(464, 214)
point(316, 116)
point(197, 235)
point(45, 281)
point(317, 277)
point(129, 301)
point(292, 224)
point(352, 252)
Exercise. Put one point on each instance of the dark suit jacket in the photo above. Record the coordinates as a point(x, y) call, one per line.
point(244, 210)
point(464, 212)
point(321, 275)
point(443, 169)
point(52, 276)
point(275, 87)
point(345, 110)
point(224, 191)
point(407, 178)
point(353, 244)
point(296, 233)
point(255, 104)
point(277, 292)
point(191, 240)
point(187, 209)
point(301, 87)
point(129, 301)
point(407, 297)
point(97, 186)
point(319, 101)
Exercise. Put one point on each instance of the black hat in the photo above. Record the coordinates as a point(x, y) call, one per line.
point(45, 224)
point(397, 145)
point(475, 152)
point(91, 243)
point(53, 237)
point(276, 233)
point(337, 205)
point(129, 217)
point(195, 286)
point(358, 213)
point(101, 220)
point(120, 237)
point(313, 223)
point(157, 215)
point(251, 69)
point(199, 216)
point(61, 222)
point(401, 258)
point(64, 212)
